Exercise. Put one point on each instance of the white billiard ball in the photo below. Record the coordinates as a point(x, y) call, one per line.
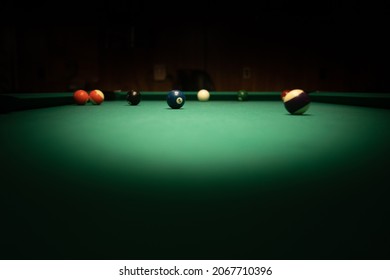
point(203, 95)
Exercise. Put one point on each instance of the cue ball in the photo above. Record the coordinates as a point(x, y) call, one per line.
point(242, 95)
point(296, 102)
point(176, 99)
point(80, 97)
point(133, 97)
point(96, 97)
point(203, 95)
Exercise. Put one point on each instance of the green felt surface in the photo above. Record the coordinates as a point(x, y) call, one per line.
point(222, 179)
point(251, 137)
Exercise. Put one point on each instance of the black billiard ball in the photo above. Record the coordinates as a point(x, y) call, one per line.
point(176, 99)
point(133, 97)
point(296, 102)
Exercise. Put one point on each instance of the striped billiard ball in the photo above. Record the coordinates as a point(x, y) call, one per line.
point(296, 102)
point(96, 97)
point(176, 99)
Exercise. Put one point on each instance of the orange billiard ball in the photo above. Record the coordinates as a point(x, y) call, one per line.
point(96, 97)
point(80, 97)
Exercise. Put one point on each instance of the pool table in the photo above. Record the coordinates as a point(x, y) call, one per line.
point(221, 179)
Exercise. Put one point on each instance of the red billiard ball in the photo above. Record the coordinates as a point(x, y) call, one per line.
point(96, 97)
point(284, 93)
point(80, 97)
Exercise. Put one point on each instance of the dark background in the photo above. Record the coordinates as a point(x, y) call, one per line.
point(49, 46)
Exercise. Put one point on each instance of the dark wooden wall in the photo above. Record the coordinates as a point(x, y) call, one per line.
point(335, 47)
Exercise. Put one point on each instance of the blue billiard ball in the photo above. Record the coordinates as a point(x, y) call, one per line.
point(176, 99)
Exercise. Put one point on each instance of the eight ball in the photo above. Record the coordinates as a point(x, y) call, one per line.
point(176, 99)
point(133, 97)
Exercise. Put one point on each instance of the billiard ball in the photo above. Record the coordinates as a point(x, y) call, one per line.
point(80, 97)
point(296, 102)
point(242, 95)
point(284, 93)
point(96, 97)
point(133, 97)
point(176, 99)
point(203, 95)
